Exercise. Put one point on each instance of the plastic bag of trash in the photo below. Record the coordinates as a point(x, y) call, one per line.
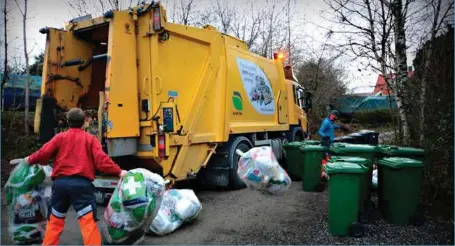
point(133, 206)
point(178, 207)
point(188, 207)
point(260, 170)
point(23, 178)
point(375, 178)
point(28, 198)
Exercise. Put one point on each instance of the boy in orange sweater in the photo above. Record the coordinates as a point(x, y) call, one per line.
point(77, 155)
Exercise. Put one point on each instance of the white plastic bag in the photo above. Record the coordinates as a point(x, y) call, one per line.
point(133, 206)
point(28, 192)
point(260, 170)
point(375, 178)
point(188, 208)
point(178, 207)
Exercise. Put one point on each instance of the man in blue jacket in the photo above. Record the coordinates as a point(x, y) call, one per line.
point(328, 127)
point(327, 134)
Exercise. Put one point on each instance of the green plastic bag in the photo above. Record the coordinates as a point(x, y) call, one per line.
point(133, 205)
point(28, 192)
point(22, 179)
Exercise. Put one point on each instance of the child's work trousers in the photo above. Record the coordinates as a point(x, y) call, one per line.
point(77, 192)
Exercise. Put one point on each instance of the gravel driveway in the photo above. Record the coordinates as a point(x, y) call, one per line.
point(249, 217)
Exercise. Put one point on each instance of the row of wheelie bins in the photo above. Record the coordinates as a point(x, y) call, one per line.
point(349, 170)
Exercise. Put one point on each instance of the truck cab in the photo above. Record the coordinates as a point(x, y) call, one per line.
point(299, 106)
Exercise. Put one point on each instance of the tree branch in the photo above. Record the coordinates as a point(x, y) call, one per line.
point(22, 13)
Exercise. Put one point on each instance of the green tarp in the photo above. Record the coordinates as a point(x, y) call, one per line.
point(19, 81)
point(349, 104)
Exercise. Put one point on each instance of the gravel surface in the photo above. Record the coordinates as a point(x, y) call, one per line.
point(250, 217)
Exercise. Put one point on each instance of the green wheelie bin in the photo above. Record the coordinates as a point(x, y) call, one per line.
point(344, 182)
point(364, 195)
point(365, 151)
point(311, 142)
point(312, 156)
point(395, 151)
point(294, 160)
point(399, 190)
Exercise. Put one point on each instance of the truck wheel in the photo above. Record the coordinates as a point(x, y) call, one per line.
point(243, 144)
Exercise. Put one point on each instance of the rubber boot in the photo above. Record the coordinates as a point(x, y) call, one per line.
point(89, 229)
point(54, 229)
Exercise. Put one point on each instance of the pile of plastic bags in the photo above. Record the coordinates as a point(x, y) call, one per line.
point(133, 206)
point(177, 207)
point(28, 193)
point(260, 170)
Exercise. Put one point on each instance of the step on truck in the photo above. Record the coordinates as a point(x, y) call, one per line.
point(175, 99)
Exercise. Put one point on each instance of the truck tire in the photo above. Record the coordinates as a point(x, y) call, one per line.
point(243, 144)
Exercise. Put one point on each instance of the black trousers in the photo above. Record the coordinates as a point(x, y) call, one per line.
point(75, 191)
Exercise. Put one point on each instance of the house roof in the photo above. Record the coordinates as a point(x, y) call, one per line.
point(382, 87)
point(381, 80)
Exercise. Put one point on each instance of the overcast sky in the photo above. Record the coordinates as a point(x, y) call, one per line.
point(55, 13)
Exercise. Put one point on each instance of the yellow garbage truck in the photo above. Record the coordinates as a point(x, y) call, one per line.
point(175, 99)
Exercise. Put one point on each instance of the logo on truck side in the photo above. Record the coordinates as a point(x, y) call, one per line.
point(237, 101)
point(257, 86)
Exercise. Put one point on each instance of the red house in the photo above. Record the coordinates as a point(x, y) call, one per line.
point(381, 86)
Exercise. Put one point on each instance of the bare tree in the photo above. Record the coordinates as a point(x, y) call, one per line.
point(5, 44)
point(368, 28)
point(186, 8)
point(400, 57)
point(96, 7)
point(273, 30)
point(246, 25)
point(330, 84)
point(220, 14)
point(182, 12)
point(263, 29)
point(27, 68)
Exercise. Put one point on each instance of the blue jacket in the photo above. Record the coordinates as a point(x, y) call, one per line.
point(328, 129)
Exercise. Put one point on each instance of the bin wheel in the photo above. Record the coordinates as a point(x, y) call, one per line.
point(417, 219)
point(375, 215)
point(294, 177)
point(357, 230)
point(320, 187)
point(370, 206)
point(364, 217)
